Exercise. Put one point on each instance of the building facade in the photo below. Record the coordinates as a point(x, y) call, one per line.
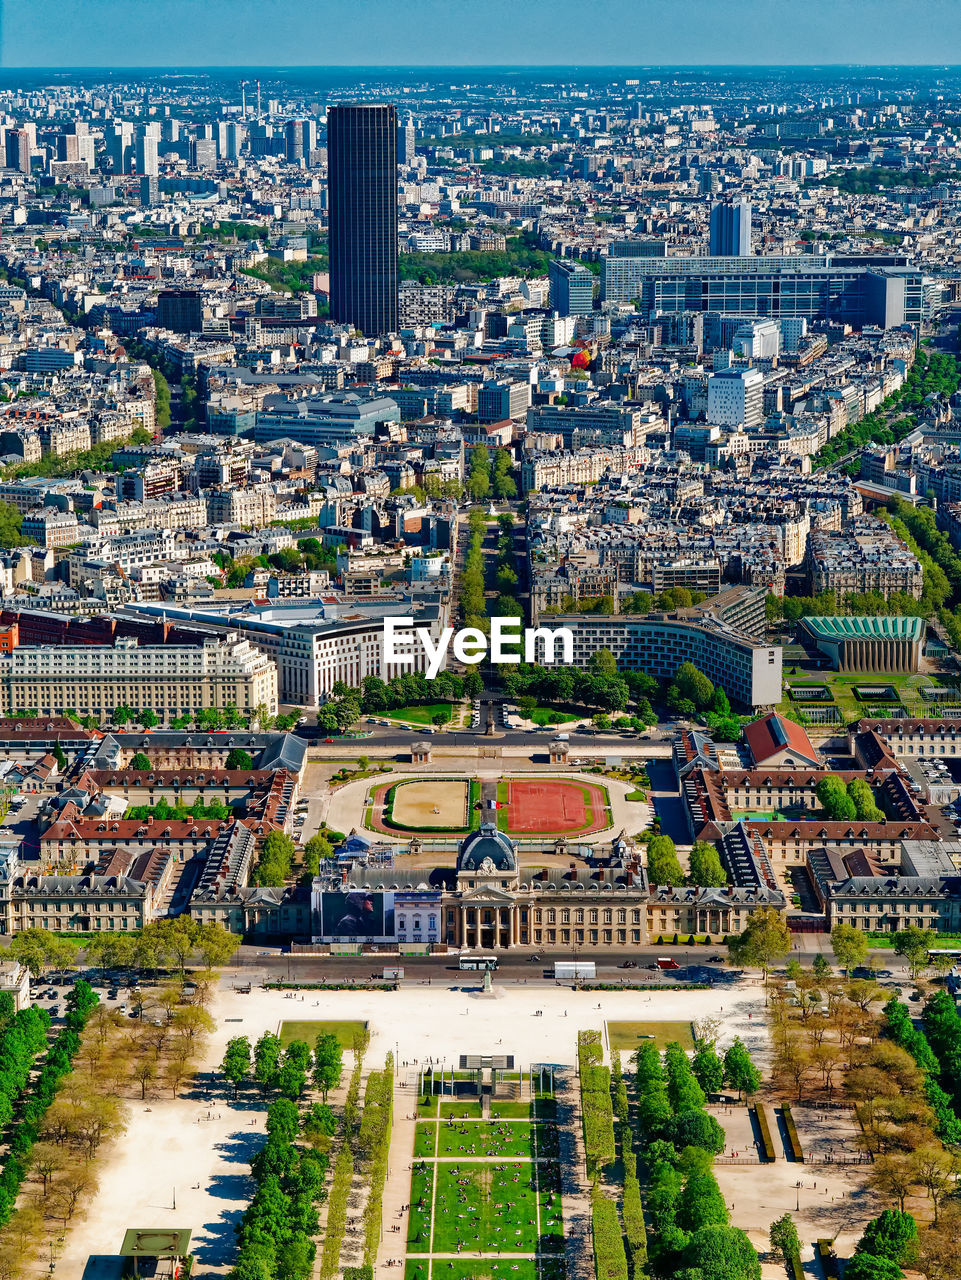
point(362, 204)
point(172, 680)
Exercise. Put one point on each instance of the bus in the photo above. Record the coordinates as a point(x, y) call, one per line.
point(476, 961)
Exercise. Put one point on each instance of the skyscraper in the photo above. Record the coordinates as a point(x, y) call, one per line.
point(406, 141)
point(18, 150)
point(572, 288)
point(148, 138)
point(362, 204)
point(731, 230)
point(120, 147)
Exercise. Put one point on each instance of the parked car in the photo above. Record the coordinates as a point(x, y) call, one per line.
point(629, 964)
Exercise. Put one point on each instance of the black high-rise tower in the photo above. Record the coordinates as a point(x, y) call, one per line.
point(362, 207)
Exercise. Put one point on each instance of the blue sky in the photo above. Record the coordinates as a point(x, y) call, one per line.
point(108, 33)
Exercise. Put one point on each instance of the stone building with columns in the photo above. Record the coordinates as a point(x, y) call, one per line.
point(489, 901)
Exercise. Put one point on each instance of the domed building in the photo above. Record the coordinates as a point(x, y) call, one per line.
point(487, 882)
point(487, 851)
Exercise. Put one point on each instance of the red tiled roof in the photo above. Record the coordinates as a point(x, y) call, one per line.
point(773, 733)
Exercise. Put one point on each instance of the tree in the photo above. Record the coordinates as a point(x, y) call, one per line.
point(140, 763)
point(662, 863)
point(328, 1063)
point(785, 1242)
point(819, 967)
point(708, 1068)
point(701, 1204)
point(276, 859)
point(292, 1078)
point(865, 806)
point(739, 1071)
point(694, 686)
point(236, 1063)
point(720, 1253)
point(893, 1175)
point(148, 718)
point(706, 869)
point(316, 850)
point(893, 1235)
point(602, 663)
point(850, 946)
point(766, 940)
point(866, 1266)
point(216, 945)
point(696, 1129)
point(267, 1061)
point(59, 756)
point(29, 948)
point(834, 799)
point(473, 684)
point(914, 944)
point(237, 758)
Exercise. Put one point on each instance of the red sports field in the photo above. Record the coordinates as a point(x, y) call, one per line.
point(555, 807)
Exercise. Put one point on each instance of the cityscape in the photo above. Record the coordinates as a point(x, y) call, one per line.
point(480, 641)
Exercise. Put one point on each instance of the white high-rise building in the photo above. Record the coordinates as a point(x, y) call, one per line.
point(735, 397)
point(148, 140)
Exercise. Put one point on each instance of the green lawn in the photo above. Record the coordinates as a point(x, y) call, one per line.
point(843, 683)
point(421, 715)
point(489, 1186)
point(468, 1108)
point(494, 1211)
point(503, 1138)
point(628, 1036)
point(488, 1269)
point(424, 1140)
point(421, 1189)
point(310, 1029)
point(510, 1110)
point(770, 815)
point(550, 715)
point(948, 941)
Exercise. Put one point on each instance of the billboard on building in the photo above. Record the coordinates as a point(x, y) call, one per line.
point(356, 915)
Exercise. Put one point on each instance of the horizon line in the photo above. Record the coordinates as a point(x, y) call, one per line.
point(474, 66)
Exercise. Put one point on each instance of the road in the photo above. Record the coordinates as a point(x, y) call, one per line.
point(583, 741)
point(275, 965)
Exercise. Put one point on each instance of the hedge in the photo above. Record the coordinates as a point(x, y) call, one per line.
point(330, 986)
point(633, 1214)
point(796, 1149)
point(597, 1113)
point(374, 1143)
point(643, 986)
point(343, 1171)
point(824, 1249)
point(764, 1127)
point(610, 1260)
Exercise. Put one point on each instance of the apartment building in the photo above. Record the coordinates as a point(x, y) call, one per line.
point(169, 679)
point(658, 643)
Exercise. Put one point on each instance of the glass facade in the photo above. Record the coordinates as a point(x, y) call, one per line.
point(362, 203)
